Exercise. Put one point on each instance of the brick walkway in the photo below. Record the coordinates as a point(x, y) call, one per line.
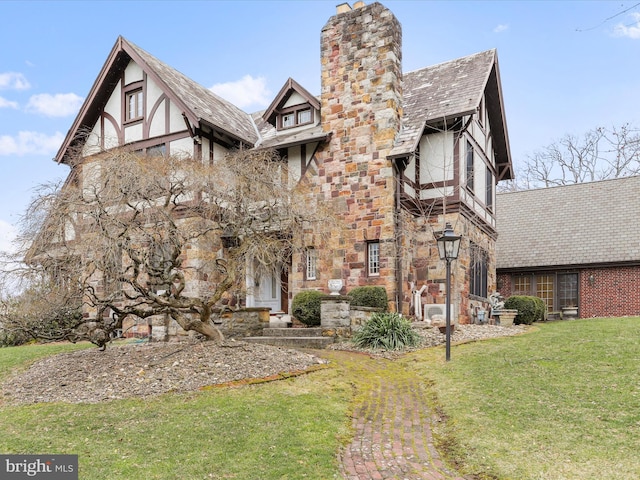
point(392, 427)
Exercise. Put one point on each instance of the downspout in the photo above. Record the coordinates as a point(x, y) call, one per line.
point(398, 227)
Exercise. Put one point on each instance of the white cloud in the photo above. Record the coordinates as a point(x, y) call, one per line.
point(247, 91)
point(501, 28)
point(631, 31)
point(14, 81)
point(30, 143)
point(58, 105)
point(4, 103)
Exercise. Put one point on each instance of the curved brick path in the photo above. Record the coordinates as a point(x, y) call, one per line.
point(392, 424)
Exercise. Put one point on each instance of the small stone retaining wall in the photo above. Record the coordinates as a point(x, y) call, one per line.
point(339, 319)
point(245, 322)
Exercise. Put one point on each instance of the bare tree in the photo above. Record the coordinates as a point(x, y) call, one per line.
point(599, 154)
point(133, 235)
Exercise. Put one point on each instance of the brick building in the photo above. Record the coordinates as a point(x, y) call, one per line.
point(574, 245)
point(396, 154)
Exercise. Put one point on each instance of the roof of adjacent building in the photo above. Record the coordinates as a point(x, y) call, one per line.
point(582, 224)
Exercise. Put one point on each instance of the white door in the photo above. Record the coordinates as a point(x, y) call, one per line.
point(265, 290)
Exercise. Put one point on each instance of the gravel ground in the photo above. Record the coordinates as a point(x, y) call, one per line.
point(148, 369)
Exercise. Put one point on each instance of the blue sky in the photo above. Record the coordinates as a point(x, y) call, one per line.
point(566, 67)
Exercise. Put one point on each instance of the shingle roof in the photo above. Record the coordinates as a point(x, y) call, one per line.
point(197, 102)
point(582, 224)
point(441, 91)
point(201, 101)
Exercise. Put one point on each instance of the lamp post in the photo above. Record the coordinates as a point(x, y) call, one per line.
point(448, 248)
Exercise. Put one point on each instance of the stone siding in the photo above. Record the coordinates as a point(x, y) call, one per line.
point(424, 267)
point(361, 102)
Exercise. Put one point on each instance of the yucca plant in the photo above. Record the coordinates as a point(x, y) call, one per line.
point(386, 331)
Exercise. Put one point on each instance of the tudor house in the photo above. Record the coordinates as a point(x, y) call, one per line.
point(397, 155)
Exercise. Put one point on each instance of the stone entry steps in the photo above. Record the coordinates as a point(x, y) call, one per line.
point(292, 337)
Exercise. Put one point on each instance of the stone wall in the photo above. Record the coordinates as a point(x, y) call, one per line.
point(361, 105)
point(339, 318)
point(246, 322)
point(424, 267)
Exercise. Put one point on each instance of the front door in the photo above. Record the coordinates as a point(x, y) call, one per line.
point(268, 292)
point(264, 288)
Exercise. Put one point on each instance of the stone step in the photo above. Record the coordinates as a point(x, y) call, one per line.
point(292, 332)
point(292, 342)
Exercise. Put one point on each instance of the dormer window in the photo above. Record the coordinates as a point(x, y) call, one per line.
point(288, 120)
point(295, 116)
point(293, 107)
point(304, 116)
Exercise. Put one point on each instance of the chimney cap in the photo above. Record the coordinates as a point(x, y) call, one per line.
point(343, 8)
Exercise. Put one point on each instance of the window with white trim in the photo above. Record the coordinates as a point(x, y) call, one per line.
point(288, 120)
point(295, 116)
point(312, 263)
point(373, 258)
point(135, 105)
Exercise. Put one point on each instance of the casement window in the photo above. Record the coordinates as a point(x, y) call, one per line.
point(469, 166)
point(312, 263)
point(304, 116)
point(373, 259)
point(288, 120)
point(134, 105)
point(489, 189)
point(295, 116)
point(558, 290)
point(478, 274)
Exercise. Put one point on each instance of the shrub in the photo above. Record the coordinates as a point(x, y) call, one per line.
point(9, 338)
point(388, 331)
point(528, 308)
point(306, 307)
point(369, 296)
point(541, 309)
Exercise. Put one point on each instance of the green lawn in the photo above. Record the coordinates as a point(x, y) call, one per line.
point(561, 402)
point(289, 429)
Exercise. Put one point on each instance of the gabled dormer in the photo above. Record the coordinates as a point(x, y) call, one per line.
point(293, 107)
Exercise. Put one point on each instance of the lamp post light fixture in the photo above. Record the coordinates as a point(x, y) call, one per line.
point(448, 248)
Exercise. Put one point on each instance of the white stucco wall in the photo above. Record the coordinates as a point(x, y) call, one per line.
point(182, 147)
point(157, 121)
point(436, 157)
point(133, 73)
point(294, 165)
point(294, 99)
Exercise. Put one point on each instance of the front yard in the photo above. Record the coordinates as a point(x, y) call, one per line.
point(559, 402)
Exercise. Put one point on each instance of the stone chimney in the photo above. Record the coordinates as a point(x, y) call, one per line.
point(361, 102)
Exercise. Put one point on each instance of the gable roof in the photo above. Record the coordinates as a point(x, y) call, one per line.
point(198, 104)
point(449, 90)
point(285, 92)
point(582, 224)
